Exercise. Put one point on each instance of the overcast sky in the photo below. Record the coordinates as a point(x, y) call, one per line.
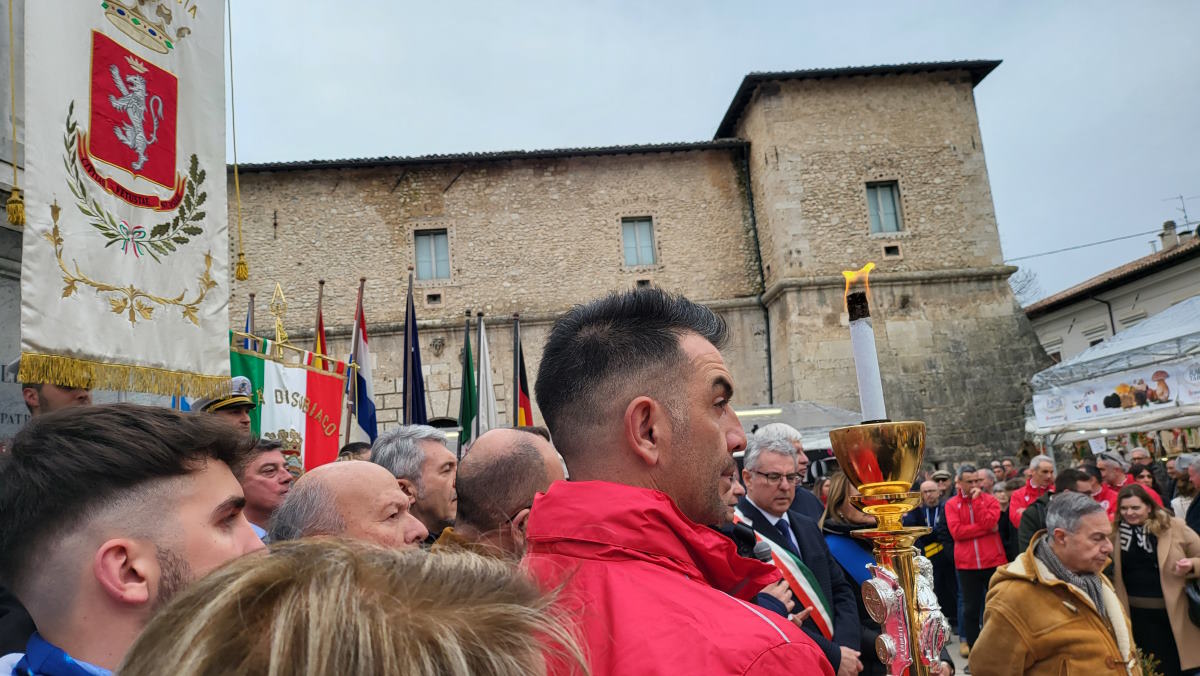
point(1088, 125)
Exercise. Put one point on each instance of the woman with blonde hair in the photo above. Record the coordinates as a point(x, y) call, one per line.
point(325, 607)
point(1153, 555)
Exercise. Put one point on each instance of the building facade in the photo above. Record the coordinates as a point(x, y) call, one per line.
point(810, 173)
point(1092, 311)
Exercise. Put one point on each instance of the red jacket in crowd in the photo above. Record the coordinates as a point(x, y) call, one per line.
point(974, 524)
point(655, 593)
point(1022, 498)
point(1107, 496)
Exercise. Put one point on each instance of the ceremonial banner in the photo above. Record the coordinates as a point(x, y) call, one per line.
point(1157, 387)
point(125, 255)
point(298, 404)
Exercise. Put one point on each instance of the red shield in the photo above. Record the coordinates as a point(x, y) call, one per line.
point(133, 113)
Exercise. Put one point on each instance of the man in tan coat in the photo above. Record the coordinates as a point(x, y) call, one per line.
point(1051, 611)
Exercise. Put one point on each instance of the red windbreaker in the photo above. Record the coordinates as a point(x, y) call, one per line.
point(973, 525)
point(655, 593)
point(1022, 498)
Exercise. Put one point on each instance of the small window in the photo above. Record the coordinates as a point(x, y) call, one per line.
point(433, 299)
point(643, 283)
point(1097, 341)
point(1055, 357)
point(883, 205)
point(637, 236)
point(433, 254)
point(892, 251)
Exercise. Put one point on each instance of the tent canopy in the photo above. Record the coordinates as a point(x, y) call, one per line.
point(1171, 334)
point(811, 419)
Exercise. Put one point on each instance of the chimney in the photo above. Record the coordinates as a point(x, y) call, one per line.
point(1186, 237)
point(1168, 236)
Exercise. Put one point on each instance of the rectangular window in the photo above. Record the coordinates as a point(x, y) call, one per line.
point(637, 236)
point(433, 254)
point(883, 204)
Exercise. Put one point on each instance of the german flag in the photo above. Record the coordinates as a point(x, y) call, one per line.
point(522, 408)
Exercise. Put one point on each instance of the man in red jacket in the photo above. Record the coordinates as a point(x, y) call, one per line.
point(637, 397)
point(973, 518)
point(1037, 486)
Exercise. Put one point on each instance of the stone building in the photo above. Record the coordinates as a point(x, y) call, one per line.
point(810, 173)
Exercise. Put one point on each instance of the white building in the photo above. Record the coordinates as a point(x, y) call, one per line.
point(1070, 321)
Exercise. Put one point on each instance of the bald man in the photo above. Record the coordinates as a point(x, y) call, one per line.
point(353, 499)
point(497, 480)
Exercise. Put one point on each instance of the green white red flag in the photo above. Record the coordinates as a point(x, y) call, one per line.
point(800, 580)
point(298, 404)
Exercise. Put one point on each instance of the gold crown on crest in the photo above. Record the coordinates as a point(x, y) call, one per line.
point(136, 65)
point(151, 33)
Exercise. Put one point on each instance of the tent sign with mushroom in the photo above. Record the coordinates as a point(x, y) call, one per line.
point(1159, 386)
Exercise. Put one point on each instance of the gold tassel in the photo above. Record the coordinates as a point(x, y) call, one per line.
point(16, 208)
point(242, 272)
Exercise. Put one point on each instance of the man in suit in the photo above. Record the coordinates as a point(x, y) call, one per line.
point(770, 473)
point(938, 546)
point(803, 500)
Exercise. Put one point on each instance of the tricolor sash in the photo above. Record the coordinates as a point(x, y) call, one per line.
point(800, 580)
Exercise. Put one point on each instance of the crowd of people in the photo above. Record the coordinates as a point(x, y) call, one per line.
point(621, 538)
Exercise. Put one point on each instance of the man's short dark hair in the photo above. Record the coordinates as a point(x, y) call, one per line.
point(536, 429)
point(354, 448)
point(599, 352)
point(1093, 472)
point(260, 446)
point(64, 467)
point(1066, 480)
point(492, 489)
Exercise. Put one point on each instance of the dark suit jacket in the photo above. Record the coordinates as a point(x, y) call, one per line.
point(807, 504)
point(815, 554)
point(1192, 515)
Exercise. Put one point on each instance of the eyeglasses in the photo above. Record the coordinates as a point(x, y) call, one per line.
point(775, 477)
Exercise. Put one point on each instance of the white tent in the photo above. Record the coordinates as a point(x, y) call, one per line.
point(1144, 378)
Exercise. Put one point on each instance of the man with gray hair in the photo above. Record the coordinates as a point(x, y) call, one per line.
point(355, 499)
point(1051, 610)
point(1038, 485)
point(804, 502)
point(426, 470)
point(771, 475)
point(1114, 469)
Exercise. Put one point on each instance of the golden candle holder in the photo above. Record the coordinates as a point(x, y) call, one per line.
point(881, 460)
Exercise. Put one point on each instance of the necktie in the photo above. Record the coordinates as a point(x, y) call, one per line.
point(786, 532)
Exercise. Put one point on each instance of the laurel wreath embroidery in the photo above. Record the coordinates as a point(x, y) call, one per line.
point(163, 238)
point(138, 304)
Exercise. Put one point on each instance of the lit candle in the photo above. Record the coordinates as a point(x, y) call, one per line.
point(862, 345)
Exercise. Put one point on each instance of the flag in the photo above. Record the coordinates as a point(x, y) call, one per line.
point(362, 391)
point(296, 404)
point(522, 409)
point(319, 345)
point(486, 418)
point(468, 403)
point(414, 382)
point(180, 403)
point(247, 344)
point(800, 580)
point(125, 254)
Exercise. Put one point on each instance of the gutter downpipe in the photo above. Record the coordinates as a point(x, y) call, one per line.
point(1112, 325)
point(761, 275)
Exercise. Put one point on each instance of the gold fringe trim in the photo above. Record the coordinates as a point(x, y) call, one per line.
point(16, 208)
point(94, 375)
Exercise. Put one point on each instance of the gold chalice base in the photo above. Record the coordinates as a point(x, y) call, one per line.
point(888, 509)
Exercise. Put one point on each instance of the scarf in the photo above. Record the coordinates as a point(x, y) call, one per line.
point(1130, 535)
point(1089, 583)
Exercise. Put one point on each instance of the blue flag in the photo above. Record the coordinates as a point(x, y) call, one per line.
point(414, 382)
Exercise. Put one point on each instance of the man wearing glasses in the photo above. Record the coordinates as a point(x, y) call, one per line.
point(771, 474)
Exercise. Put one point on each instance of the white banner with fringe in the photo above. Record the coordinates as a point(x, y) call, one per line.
point(124, 271)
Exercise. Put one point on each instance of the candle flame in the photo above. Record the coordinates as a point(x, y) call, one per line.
point(853, 276)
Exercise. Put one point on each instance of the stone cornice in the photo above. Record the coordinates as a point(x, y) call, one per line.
point(891, 278)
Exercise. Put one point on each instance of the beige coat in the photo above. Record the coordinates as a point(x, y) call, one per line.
point(1035, 623)
point(1175, 541)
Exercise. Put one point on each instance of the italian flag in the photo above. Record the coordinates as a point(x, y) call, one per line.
point(800, 579)
point(298, 404)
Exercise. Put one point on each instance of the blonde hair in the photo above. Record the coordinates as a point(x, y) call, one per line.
point(325, 607)
point(839, 491)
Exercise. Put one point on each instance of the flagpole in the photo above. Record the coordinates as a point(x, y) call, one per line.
point(479, 376)
point(516, 409)
point(353, 403)
point(317, 322)
point(465, 363)
point(408, 360)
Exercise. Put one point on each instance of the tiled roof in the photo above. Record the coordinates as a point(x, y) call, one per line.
point(977, 69)
point(1124, 274)
point(358, 162)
